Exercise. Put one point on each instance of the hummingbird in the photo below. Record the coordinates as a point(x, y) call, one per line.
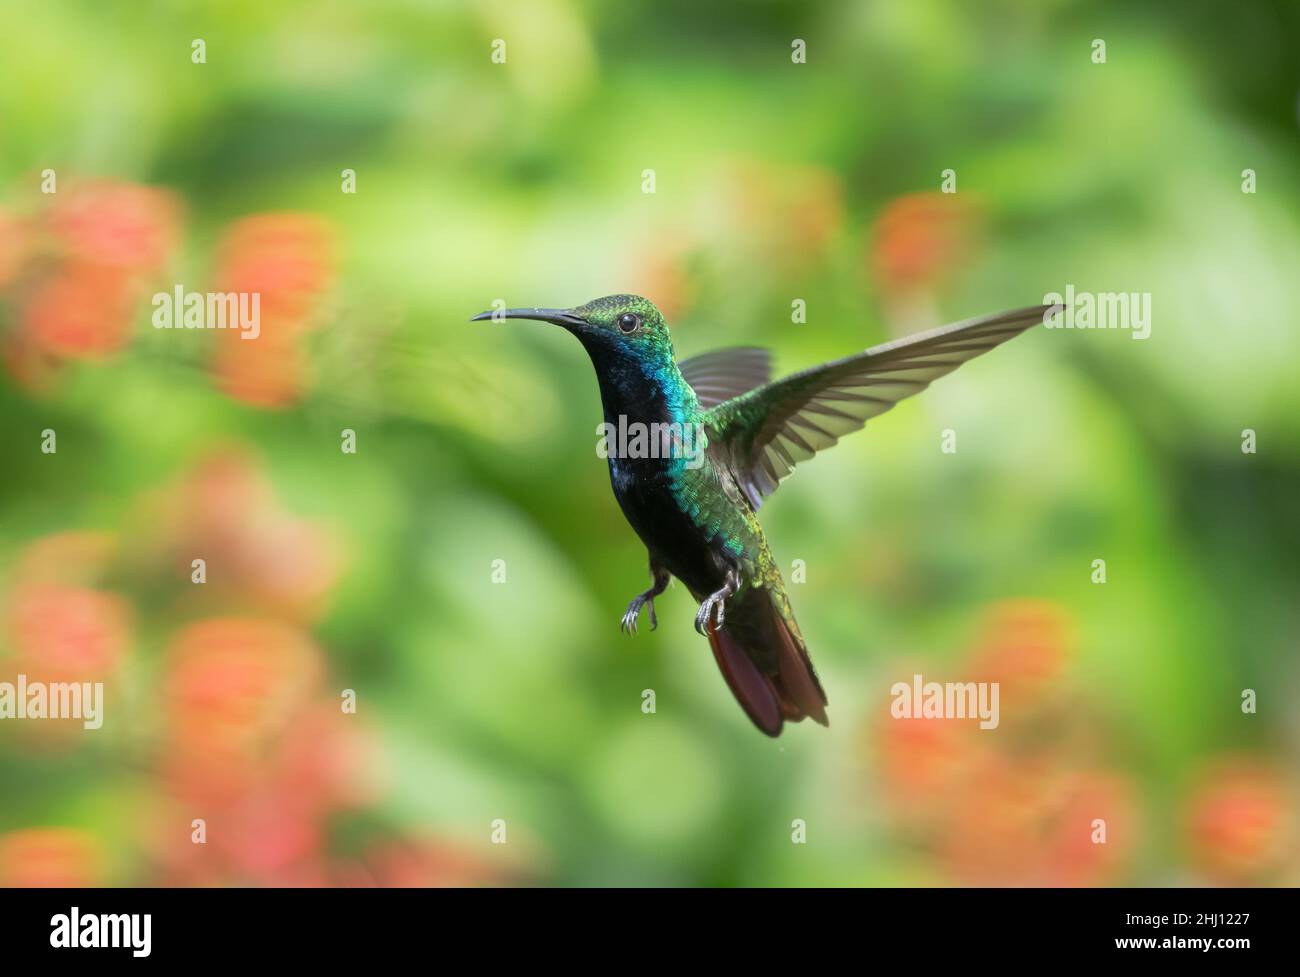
point(729, 435)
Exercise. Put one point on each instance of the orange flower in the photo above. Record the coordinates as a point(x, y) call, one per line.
point(266, 833)
point(119, 225)
point(990, 834)
point(287, 261)
point(1076, 852)
point(107, 238)
point(233, 686)
point(257, 754)
point(923, 761)
point(1241, 820)
point(67, 633)
point(1026, 647)
point(268, 372)
point(918, 239)
point(259, 557)
point(1022, 823)
point(228, 487)
point(286, 258)
point(81, 309)
point(263, 834)
point(49, 858)
point(1018, 805)
point(328, 758)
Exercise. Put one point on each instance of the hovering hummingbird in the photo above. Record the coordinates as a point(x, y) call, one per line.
point(735, 434)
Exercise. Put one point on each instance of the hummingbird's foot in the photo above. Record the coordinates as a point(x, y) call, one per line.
point(634, 610)
point(706, 612)
point(661, 578)
point(716, 601)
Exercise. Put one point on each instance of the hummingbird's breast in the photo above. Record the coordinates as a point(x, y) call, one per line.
point(689, 513)
point(687, 519)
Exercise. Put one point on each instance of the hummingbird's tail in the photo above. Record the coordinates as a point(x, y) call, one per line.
point(763, 658)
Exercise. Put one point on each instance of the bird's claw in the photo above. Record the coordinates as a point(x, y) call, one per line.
point(717, 602)
point(629, 622)
point(707, 611)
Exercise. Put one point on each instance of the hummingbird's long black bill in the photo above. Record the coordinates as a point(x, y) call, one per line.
point(560, 317)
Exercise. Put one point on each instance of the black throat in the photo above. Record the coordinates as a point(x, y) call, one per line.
point(627, 387)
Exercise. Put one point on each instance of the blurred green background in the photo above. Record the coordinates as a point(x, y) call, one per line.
point(493, 710)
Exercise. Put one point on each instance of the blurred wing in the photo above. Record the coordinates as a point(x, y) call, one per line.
point(761, 435)
point(726, 373)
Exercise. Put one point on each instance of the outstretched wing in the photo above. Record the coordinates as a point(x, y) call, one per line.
point(761, 435)
point(726, 373)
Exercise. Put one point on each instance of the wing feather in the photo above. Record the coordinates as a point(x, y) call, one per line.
point(723, 374)
point(763, 430)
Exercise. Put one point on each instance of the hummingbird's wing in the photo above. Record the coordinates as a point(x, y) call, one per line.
point(761, 435)
point(726, 373)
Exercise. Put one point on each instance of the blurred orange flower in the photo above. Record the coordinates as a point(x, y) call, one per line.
point(260, 558)
point(67, 633)
point(1026, 648)
point(268, 372)
point(1022, 804)
point(101, 240)
point(923, 761)
point(326, 756)
point(287, 260)
point(1021, 823)
point(122, 225)
point(232, 688)
point(1242, 820)
point(259, 836)
point(264, 833)
point(81, 310)
point(919, 238)
point(49, 858)
point(258, 753)
point(1075, 853)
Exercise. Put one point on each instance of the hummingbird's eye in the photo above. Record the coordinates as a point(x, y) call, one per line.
point(629, 322)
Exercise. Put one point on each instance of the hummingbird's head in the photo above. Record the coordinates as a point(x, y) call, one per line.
point(614, 326)
point(628, 342)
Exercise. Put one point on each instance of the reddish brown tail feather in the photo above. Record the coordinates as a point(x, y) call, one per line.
point(788, 688)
